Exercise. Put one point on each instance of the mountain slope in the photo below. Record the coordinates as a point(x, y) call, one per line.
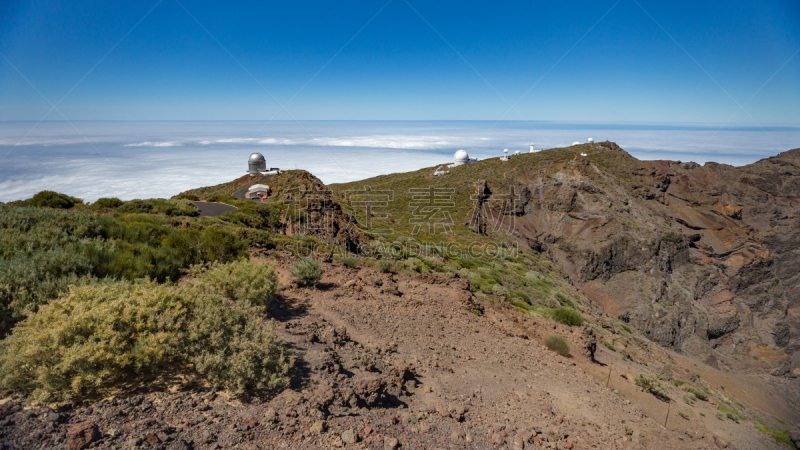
point(701, 258)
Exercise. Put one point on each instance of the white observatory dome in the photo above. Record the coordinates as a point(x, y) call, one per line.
point(576, 143)
point(589, 141)
point(461, 157)
point(255, 157)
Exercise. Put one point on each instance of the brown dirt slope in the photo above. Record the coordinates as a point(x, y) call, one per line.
point(415, 362)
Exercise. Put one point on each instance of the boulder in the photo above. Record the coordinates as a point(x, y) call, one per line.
point(82, 435)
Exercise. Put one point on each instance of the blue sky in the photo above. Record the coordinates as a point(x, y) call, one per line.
point(586, 62)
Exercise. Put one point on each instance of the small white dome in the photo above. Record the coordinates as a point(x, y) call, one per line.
point(256, 157)
point(461, 157)
point(589, 141)
point(576, 143)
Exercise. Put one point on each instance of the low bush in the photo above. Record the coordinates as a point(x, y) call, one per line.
point(558, 345)
point(384, 266)
point(626, 328)
point(107, 202)
point(350, 262)
point(499, 289)
point(653, 385)
point(50, 199)
point(780, 436)
point(245, 281)
point(609, 345)
point(43, 251)
point(700, 395)
point(307, 272)
point(677, 382)
point(567, 316)
point(103, 335)
point(172, 207)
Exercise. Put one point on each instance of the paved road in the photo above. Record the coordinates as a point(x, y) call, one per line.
point(208, 209)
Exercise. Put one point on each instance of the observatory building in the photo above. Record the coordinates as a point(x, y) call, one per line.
point(462, 157)
point(258, 165)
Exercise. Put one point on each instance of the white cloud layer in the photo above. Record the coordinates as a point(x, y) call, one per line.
point(142, 160)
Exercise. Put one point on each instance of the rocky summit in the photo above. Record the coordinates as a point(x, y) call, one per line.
point(572, 298)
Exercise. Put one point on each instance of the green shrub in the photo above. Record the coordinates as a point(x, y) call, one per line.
point(107, 202)
point(172, 207)
point(50, 199)
point(499, 289)
point(652, 384)
point(350, 262)
point(780, 436)
point(558, 345)
point(245, 281)
point(220, 245)
point(43, 251)
point(567, 316)
point(564, 300)
point(523, 296)
point(609, 345)
point(677, 382)
point(700, 395)
point(307, 272)
point(184, 196)
point(104, 335)
point(384, 266)
point(683, 415)
point(625, 327)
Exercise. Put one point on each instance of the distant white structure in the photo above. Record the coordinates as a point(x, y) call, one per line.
point(461, 157)
point(256, 164)
point(590, 141)
point(583, 154)
point(532, 149)
point(517, 152)
point(576, 143)
point(257, 192)
point(505, 155)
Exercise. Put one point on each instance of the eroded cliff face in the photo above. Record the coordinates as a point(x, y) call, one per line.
point(702, 258)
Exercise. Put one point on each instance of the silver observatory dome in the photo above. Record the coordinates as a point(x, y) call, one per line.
point(256, 164)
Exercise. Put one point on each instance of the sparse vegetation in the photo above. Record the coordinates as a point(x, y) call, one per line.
point(683, 415)
point(699, 394)
point(677, 382)
point(626, 328)
point(610, 346)
point(307, 272)
point(780, 436)
point(350, 262)
point(653, 385)
point(567, 316)
point(384, 266)
point(728, 413)
point(557, 344)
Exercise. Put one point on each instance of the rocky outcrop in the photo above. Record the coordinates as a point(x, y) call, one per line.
point(702, 258)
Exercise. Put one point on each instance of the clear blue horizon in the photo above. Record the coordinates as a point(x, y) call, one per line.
point(611, 62)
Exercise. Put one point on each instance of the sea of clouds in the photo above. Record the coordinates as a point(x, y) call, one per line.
point(160, 159)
